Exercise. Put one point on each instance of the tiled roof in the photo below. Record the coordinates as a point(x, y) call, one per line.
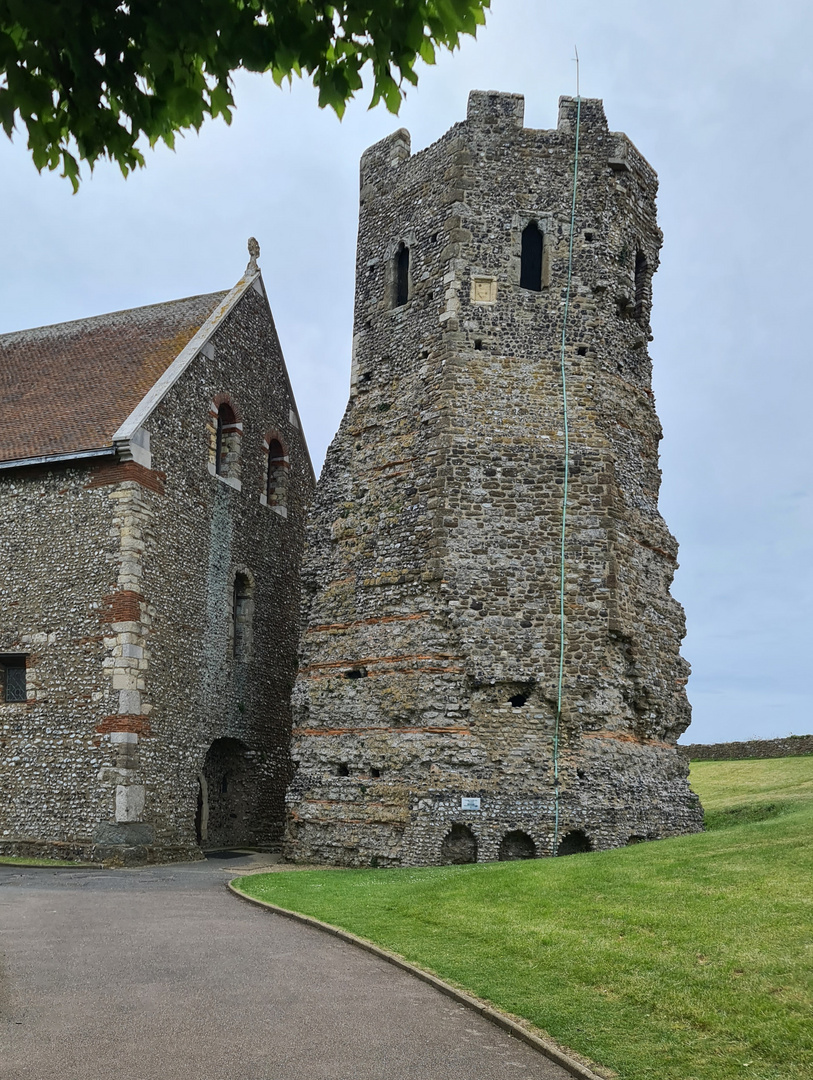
point(69, 387)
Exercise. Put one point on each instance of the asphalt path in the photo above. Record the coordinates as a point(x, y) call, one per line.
point(162, 974)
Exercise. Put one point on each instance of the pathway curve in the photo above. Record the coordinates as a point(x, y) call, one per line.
point(162, 974)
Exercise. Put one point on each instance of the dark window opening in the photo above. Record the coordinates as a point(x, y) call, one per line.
point(401, 275)
point(588, 236)
point(227, 445)
point(366, 376)
point(375, 773)
point(516, 845)
point(582, 350)
point(580, 773)
point(530, 274)
point(478, 344)
point(641, 273)
point(277, 481)
point(434, 237)
point(518, 700)
point(12, 678)
point(459, 846)
point(355, 673)
point(342, 770)
point(574, 843)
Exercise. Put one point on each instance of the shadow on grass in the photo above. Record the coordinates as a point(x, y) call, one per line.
point(745, 815)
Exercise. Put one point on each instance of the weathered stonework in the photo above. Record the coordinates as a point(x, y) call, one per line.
point(156, 604)
point(430, 651)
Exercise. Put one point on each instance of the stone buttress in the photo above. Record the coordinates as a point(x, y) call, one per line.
point(425, 705)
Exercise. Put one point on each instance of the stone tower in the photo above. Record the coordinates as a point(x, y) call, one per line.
point(425, 711)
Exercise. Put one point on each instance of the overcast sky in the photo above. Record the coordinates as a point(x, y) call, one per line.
point(716, 94)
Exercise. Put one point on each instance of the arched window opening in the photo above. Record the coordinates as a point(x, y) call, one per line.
point(242, 611)
point(530, 273)
point(574, 843)
point(276, 490)
point(227, 442)
point(401, 275)
point(516, 845)
point(641, 275)
point(459, 846)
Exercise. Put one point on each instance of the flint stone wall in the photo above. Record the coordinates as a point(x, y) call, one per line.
point(118, 581)
point(429, 658)
point(790, 746)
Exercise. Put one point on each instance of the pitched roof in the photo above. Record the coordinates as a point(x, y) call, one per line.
point(68, 387)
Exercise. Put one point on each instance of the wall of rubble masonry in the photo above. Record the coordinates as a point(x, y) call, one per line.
point(790, 746)
point(426, 696)
point(119, 587)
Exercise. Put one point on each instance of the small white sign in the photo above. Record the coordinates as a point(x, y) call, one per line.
point(469, 804)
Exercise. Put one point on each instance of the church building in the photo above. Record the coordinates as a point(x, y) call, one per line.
point(154, 483)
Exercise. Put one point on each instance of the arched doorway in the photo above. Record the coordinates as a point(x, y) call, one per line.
point(224, 805)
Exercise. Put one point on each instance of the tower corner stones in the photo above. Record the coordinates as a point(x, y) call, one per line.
point(427, 726)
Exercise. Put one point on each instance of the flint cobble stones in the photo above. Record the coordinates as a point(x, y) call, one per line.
point(119, 586)
point(430, 650)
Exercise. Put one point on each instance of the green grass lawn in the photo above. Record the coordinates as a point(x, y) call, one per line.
point(685, 959)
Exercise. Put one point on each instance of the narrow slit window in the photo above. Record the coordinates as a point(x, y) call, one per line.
point(242, 609)
point(401, 275)
point(530, 274)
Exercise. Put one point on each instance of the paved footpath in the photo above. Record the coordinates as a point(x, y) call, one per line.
point(162, 974)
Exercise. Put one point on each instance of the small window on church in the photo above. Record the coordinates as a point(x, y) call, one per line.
point(530, 274)
point(242, 611)
point(641, 275)
point(12, 677)
point(276, 489)
point(227, 443)
point(401, 275)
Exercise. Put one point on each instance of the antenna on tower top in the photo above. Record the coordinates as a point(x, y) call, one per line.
point(576, 51)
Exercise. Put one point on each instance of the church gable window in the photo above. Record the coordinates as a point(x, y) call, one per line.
point(226, 432)
point(276, 476)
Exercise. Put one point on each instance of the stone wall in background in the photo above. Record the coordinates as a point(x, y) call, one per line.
point(790, 746)
point(425, 706)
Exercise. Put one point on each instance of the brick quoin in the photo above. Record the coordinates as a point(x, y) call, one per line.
point(123, 606)
point(120, 471)
point(135, 725)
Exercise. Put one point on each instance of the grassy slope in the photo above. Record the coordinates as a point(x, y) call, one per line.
point(688, 959)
